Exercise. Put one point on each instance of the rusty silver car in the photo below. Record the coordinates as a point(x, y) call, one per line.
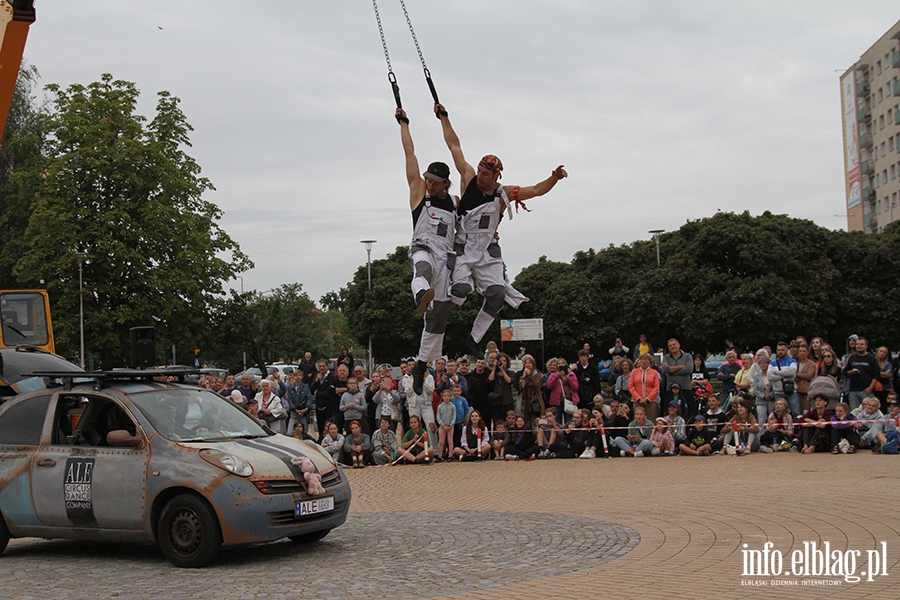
point(118, 456)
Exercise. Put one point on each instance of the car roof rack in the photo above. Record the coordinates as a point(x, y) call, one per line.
point(102, 377)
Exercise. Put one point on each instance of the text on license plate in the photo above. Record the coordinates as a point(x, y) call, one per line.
point(311, 507)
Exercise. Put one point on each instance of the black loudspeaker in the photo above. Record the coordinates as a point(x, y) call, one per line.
point(143, 347)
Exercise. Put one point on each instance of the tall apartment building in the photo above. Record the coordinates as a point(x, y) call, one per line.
point(870, 100)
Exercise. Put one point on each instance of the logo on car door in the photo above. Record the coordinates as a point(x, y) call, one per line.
point(78, 492)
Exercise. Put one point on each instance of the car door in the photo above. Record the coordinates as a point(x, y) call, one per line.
point(78, 478)
point(21, 428)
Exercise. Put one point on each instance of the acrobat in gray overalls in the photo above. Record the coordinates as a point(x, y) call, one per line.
point(431, 257)
point(478, 257)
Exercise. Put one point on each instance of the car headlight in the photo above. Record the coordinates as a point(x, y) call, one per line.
point(228, 462)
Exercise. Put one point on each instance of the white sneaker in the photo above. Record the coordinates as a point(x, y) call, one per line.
point(767, 449)
point(622, 453)
point(588, 453)
point(729, 449)
point(843, 446)
point(638, 454)
point(655, 451)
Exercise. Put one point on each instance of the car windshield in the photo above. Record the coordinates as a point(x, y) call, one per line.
point(188, 415)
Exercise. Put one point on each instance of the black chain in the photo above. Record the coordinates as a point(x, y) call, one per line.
point(387, 57)
point(422, 60)
point(415, 40)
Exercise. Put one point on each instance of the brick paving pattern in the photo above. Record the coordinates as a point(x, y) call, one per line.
point(692, 516)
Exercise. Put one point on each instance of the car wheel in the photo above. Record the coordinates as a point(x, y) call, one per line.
point(188, 532)
point(4, 534)
point(309, 538)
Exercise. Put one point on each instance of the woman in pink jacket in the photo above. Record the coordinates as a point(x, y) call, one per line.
point(644, 386)
point(562, 384)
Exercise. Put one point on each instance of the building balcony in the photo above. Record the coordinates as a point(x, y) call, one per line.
point(870, 221)
point(865, 141)
point(895, 59)
point(897, 88)
point(862, 89)
point(868, 167)
point(868, 193)
point(864, 114)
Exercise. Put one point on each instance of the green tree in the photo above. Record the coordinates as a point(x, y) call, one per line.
point(729, 278)
point(281, 325)
point(122, 190)
point(22, 142)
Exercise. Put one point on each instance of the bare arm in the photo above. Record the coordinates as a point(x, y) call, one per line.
point(539, 189)
point(465, 170)
point(416, 183)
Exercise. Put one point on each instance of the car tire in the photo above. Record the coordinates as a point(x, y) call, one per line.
point(188, 532)
point(4, 534)
point(309, 538)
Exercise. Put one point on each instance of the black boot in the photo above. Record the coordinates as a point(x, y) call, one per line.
point(418, 375)
point(474, 348)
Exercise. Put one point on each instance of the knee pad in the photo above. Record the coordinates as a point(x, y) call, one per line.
point(493, 299)
point(436, 318)
point(460, 290)
point(423, 269)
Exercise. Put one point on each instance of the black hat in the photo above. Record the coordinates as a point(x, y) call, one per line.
point(437, 171)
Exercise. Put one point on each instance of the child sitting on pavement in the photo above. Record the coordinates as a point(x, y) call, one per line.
point(499, 441)
point(662, 440)
point(699, 439)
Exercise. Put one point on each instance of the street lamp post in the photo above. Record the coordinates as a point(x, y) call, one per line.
point(80, 256)
point(656, 233)
point(369, 244)
point(244, 353)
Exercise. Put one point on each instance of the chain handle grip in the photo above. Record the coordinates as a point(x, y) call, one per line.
point(434, 94)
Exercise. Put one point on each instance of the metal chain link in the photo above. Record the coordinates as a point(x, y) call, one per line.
point(383, 42)
point(412, 31)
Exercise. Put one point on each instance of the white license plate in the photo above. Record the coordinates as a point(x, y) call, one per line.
point(312, 507)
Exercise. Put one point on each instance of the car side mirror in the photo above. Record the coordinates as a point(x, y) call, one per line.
point(122, 439)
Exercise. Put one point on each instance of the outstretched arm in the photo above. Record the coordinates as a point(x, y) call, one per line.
point(466, 172)
point(416, 183)
point(539, 189)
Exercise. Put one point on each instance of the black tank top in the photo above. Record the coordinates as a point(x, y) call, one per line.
point(474, 197)
point(441, 203)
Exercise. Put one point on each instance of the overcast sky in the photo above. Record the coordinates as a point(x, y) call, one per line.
point(661, 111)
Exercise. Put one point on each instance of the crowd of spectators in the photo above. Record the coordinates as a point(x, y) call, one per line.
point(798, 397)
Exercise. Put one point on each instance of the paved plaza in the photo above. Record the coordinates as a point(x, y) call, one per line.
point(619, 528)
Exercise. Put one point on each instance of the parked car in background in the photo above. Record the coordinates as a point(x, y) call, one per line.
point(283, 368)
point(254, 372)
point(17, 364)
point(714, 362)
